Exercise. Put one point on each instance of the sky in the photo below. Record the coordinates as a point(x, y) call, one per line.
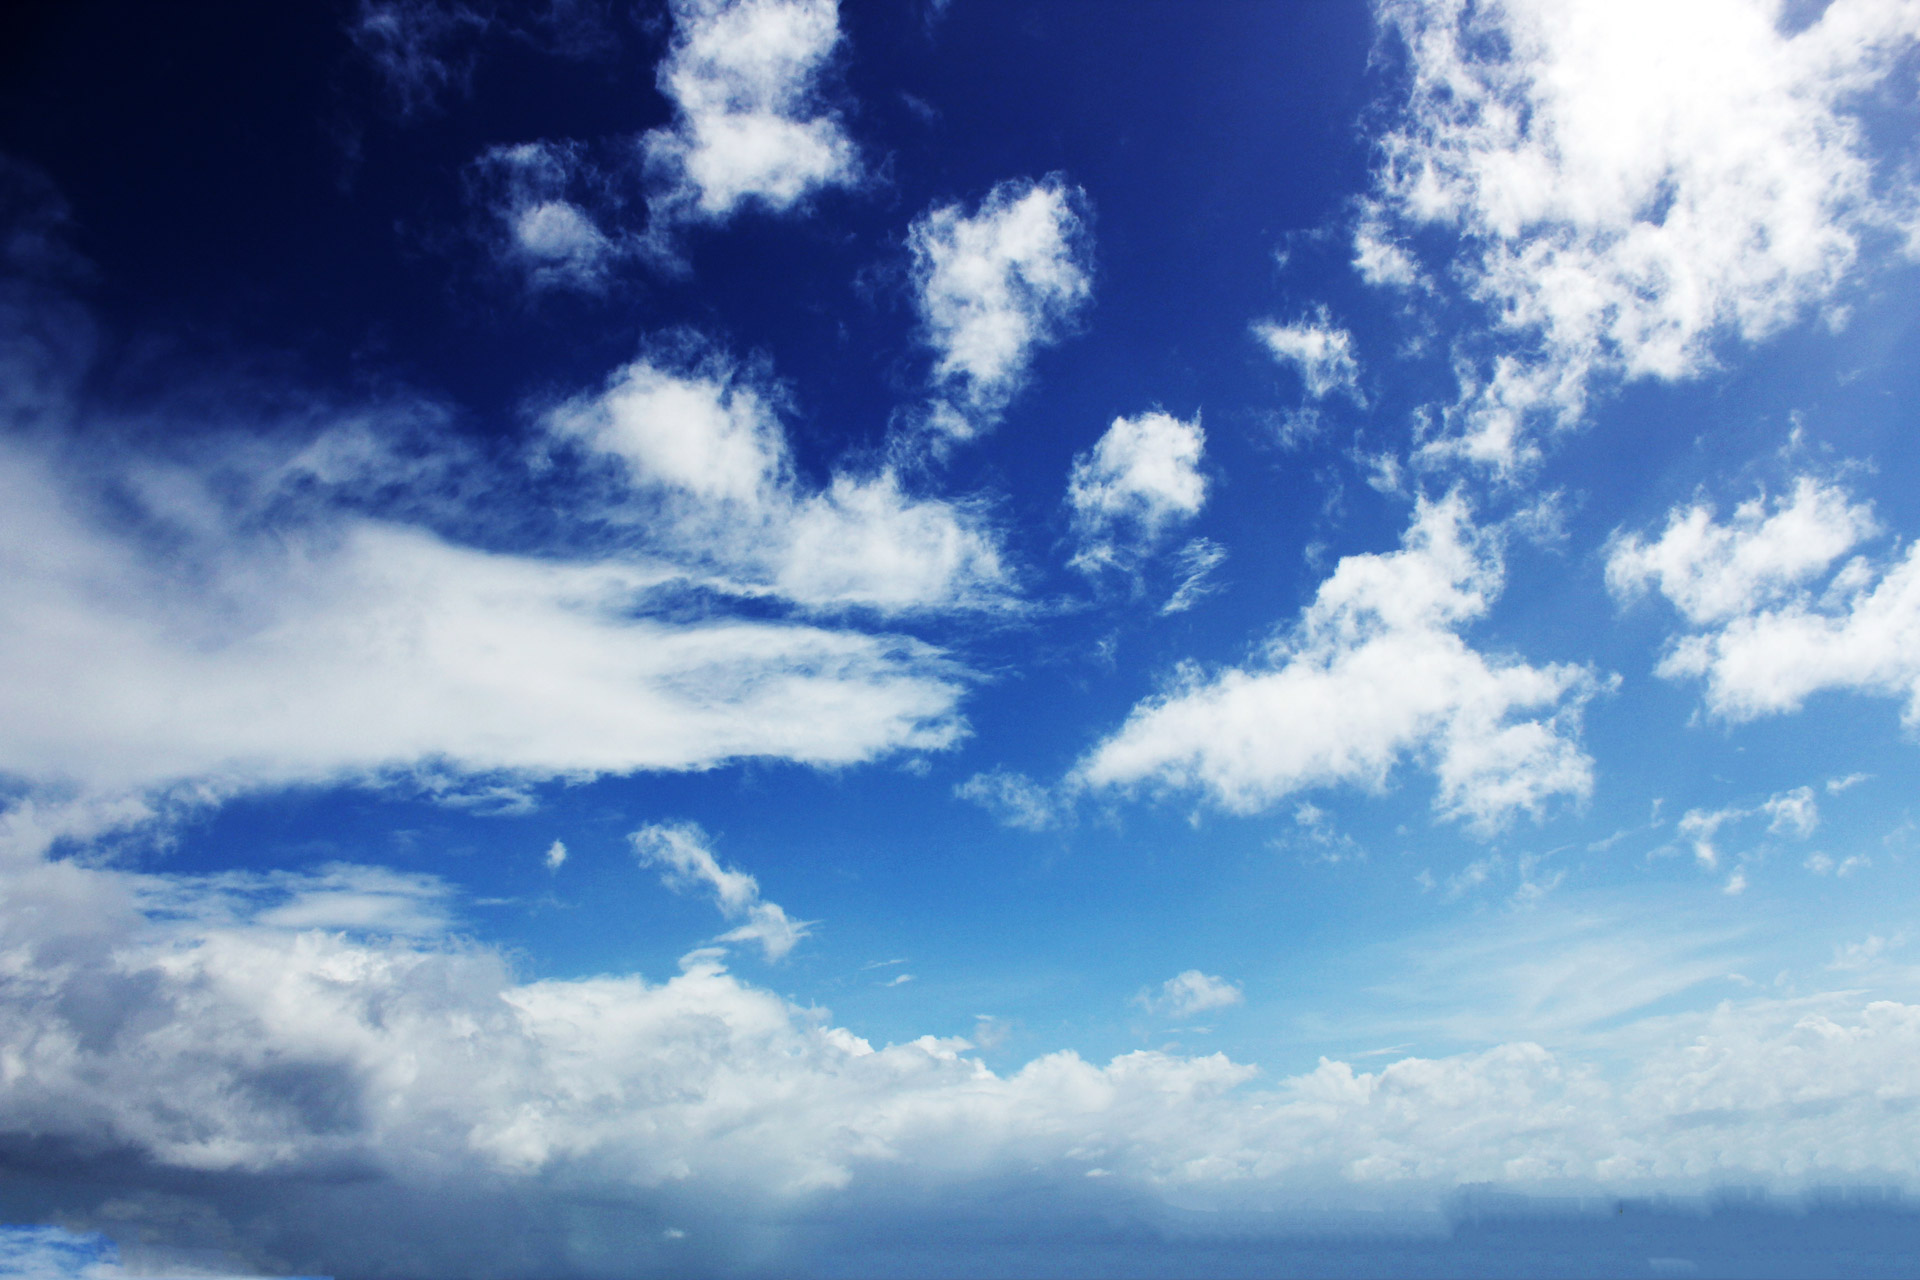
point(956, 638)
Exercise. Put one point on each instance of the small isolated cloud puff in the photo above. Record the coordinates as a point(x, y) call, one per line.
point(993, 285)
point(556, 856)
point(680, 852)
point(1189, 993)
point(537, 195)
point(707, 479)
point(1765, 641)
point(743, 76)
point(1375, 671)
point(1322, 352)
point(1014, 799)
point(1629, 181)
point(1139, 479)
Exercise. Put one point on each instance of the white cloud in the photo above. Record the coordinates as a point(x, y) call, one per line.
point(1013, 799)
point(1141, 478)
point(1196, 561)
point(1375, 671)
point(1770, 632)
point(174, 1025)
point(556, 856)
point(707, 480)
point(992, 286)
point(1322, 352)
point(338, 647)
point(679, 851)
point(537, 194)
point(1791, 813)
point(1629, 183)
point(1766, 553)
point(744, 77)
point(1188, 993)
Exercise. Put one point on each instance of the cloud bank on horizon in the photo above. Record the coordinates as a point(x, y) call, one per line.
point(764, 460)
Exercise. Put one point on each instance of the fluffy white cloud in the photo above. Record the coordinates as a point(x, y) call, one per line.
point(744, 78)
point(1321, 351)
point(993, 285)
point(1775, 624)
point(345, 647)
point(1375, 671)
point(680, 851)
point(241, 1030)
point(1189, 993)
point(707, 480)
point(1628, 183)
point(1768, 551)
point(1139, 479)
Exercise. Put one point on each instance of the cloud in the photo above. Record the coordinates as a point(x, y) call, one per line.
point(1189, 993)
point(1375, 671)
point(325, 646)
point(555, 856)
point(706, 478)
point(1321, 352)
point(1768, 551)
point(679, 850)
point(1014, 799)
point(538, 195)
point(1625, 186)
point(1765, 638)
point(749, 129)
point(992, 286)
point(421, 48)
point(1793, 813)
point(1196, 561)
point(193, 1051)
point(1140, 479)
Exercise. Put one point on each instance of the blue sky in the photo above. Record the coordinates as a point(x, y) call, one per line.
point(693, 638)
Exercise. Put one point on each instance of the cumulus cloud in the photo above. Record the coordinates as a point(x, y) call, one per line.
point(1189, 993)
point(1623, 185)
point(1014, 799)
point(994, 284)
point(1774, 622)
point(195, 1041)
point(1376, 671)
point(680, 852)
point(1139, 480)
point(707, 478)
point(749, 127)
point(1320, 350)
